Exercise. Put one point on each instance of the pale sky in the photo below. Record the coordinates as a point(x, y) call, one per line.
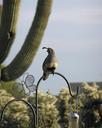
point(74, 31)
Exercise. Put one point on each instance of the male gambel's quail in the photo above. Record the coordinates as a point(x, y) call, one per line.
point(50, 63)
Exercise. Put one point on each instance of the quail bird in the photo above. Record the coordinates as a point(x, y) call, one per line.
point(50, 63)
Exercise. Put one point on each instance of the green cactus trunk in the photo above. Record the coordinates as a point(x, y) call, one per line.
point(25, 57)
point(0, 13)
point(8, 26)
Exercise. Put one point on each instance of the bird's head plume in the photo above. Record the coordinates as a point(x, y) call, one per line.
point(44, 48)
point(49, 50)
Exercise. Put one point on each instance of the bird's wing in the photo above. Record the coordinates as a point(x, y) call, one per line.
point(46, 63)
point(49, 62)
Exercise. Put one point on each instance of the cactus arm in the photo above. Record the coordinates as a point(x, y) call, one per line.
point(8, 26)
point(25, 57)
point(0, 13)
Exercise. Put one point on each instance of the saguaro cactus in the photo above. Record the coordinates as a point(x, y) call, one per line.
point(24, 58)
point(8, 26)
point(0, 13)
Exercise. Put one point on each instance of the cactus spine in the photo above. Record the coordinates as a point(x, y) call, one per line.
point(25, 57)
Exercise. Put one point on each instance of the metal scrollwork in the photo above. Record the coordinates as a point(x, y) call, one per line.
point(29, 87)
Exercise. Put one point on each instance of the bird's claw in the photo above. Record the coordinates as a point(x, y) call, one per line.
point(53, 73)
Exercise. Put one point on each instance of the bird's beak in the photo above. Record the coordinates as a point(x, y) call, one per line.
point(44, 48)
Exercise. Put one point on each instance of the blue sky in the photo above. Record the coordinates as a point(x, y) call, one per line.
point(74, 31)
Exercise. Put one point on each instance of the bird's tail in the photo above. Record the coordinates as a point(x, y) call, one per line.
point(45, 76)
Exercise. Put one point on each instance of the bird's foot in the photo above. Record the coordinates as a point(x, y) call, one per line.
point(53, 72)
